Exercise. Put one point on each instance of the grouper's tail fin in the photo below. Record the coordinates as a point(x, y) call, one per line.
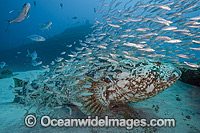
point(9, 22)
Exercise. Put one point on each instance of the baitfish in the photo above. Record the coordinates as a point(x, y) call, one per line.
point(102, 89)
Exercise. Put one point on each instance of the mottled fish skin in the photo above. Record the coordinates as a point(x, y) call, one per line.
point(130, 82)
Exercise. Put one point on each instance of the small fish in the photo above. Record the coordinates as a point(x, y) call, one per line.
point(133, 45)
point(192, 65)
point(163, 38)
point(74, 83)
point(162, 22)
point(62, 53)
point(69, 46)
point(147, 49)
point(173, 41)
point(86, 86)
point(169, 28)
point(142, 29)
point(36, 38)
point(164, 7)
point(95, 10)
point(58, 107)
point(32, 55)
point(34, 3)
point(131, 58)
point(197, 49)
point(11, 11)
point(83, 44)
point(77, 104)
point(114, 25)
point(35, 63)
point(72, 55)
point(183, 56)
point(198, 42)
point(86, 94)
point(134, 20)
point(195, 18)
point(61, 5)
point(79, 49)
point(112, 61)
point(23, 14)
point(182, 30)
point(52, 63)
point(103, 47)
point(59, 59)
point(74, 17)
point(45, 26)
point(119, 3)
point(46, 67)
point(2, 64)
point(28, 53)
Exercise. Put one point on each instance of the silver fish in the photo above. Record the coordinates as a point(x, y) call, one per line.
point(23, 14)
point(36, 38)
point(33, 55)
point(35, 63)
point(45, 26)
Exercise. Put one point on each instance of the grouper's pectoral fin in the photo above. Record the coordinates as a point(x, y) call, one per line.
point(91, 105)
point(90, 98)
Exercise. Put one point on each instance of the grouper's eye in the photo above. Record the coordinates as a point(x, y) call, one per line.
point(175, 74)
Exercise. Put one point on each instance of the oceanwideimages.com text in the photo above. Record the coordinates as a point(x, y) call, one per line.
point(46, 121)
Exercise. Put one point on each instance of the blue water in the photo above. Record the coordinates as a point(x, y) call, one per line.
point(45, 10)
point(71, 23)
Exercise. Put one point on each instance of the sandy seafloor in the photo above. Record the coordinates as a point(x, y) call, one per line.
point(178, 101)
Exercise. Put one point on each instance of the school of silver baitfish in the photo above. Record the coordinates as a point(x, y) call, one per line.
point(128, 58)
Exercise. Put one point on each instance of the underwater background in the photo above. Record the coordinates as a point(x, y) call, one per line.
point(81, 45)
